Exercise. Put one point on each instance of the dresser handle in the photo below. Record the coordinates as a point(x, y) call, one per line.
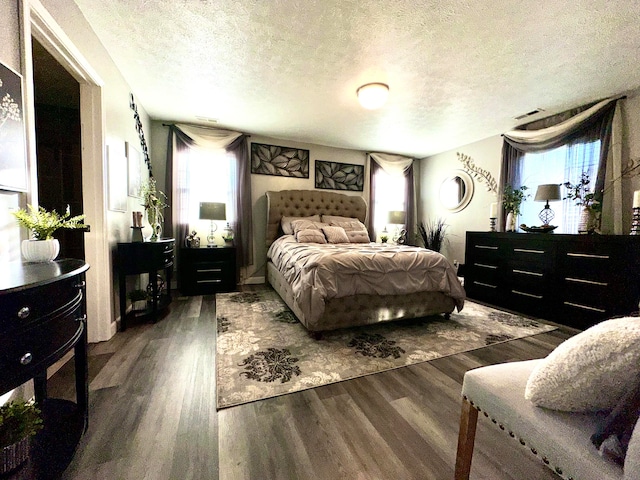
point(205, 270)
point(83, 318)
point(23, 313)
point(26, 358)
point(80, 284)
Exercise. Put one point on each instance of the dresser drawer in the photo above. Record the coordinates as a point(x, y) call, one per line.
point(25, 308)
point(45, 342)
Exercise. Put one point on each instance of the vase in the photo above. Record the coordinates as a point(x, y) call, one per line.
point(154, 216)
point(511, 222)
point(38, 251)
point(588, 220)
point(14, 455)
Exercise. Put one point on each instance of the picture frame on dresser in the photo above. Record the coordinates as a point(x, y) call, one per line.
point(13, 141)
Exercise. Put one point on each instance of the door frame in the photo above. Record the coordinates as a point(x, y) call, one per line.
point(37, 22)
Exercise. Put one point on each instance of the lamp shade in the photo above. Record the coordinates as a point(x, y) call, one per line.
point(213, 211)
point(396, 217)
point(548, 192)
point(373, 95)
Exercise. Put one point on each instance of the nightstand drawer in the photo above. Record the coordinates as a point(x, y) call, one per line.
point(204, 271)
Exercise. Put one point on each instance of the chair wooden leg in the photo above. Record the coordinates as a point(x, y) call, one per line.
point(466, 437)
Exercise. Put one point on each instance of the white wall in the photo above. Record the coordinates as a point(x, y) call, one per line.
point(475, 217)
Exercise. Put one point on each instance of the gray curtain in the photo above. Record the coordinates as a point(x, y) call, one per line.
point(242, 196)
point(373, 169)
point(409, 196)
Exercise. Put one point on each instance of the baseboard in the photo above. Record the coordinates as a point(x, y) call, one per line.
point(254, 281)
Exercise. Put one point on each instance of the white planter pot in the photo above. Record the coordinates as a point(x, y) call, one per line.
point(39, 251)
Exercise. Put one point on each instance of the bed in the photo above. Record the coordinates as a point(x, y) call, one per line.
point(311, 278)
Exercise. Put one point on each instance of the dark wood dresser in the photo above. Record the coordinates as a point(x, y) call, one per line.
point(42, 317)
point(575, 280)
point(135, 258)
point(204, 271)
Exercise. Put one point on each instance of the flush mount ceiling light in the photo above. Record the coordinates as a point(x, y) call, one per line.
point(373, 95)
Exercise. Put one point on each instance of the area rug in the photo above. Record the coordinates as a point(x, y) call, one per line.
point(263, 351)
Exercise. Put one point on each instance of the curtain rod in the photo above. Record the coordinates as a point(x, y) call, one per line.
point(201, 126)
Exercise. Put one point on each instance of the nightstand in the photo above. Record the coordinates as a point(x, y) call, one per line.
point(203, 271)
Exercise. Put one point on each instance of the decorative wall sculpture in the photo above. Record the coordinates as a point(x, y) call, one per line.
point(143, 142)
point(282, 161)
point(339, 176)
point(478, 173)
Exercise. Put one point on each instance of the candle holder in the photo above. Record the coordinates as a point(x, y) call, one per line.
point(635, 223)
point(492, 224)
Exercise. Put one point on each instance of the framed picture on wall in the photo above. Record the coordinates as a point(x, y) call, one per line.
point(13, 151)
point(339, 176)
point(117, 171)
point(134, 174)
point(282, 161)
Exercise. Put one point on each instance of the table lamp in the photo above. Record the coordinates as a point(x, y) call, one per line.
point(212, 211)
point(546, 193)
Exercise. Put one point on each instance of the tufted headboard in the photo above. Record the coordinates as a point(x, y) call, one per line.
point(303, 203)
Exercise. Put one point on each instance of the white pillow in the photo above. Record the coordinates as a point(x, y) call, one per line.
point(335, 234)
point(310, 236)
point(590, 371)
point(285, 222)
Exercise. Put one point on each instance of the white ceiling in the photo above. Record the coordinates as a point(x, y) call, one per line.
point(458, 70)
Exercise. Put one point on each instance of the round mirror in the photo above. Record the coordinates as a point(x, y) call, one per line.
point(456, 191)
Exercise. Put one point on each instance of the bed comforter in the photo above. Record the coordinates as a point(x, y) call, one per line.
point(319, 272)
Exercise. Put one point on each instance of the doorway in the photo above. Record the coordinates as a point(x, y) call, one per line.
point(58, 145)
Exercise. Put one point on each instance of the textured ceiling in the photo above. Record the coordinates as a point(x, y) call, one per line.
point(458, 70)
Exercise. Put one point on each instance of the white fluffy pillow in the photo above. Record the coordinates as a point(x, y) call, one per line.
point(335, 234)
point(588, 372)
point(285, 222)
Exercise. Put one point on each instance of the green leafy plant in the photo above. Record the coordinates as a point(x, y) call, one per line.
point(153, 201)
point(581, 195)
point(43, 224)
point(18, 420)
point(512, 198)
point(433, 234)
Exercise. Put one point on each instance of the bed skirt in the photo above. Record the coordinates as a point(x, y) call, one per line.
point(362, 309)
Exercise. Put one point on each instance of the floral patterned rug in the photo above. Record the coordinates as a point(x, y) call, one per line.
point(263, 351)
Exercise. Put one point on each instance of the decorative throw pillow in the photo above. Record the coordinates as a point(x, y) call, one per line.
point(358, 236)
point(613, 434)
point(298, 225)
point(310, 236)
point(590, 371)
point(632, 461)
point(285, 222)
point(335, 234)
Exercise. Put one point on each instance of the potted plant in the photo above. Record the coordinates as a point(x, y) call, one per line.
point(512, 199)
point(138, 299)
point(19, 421)
point(153, 201)
point(433, 234)
point(43, 224)
point(582, 196)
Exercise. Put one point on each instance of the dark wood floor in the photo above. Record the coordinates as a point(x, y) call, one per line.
point(153, 415)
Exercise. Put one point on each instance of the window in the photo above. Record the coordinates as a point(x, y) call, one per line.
point(559, 165)
point(390, 194)
point(208, 178)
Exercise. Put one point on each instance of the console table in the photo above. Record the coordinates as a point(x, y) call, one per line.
point(135, 258)
point(42, 317)
point(575, 280)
